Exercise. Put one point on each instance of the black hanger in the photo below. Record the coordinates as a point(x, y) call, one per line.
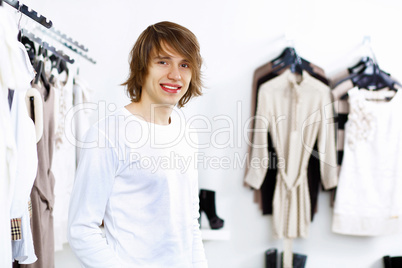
point(39, 68)
point(289, 58)
point(358, 67)
point(371, 76)
point(374, 78)
point(30, 48)
point(57, 64)
point(366, 73)
point(282, 55)
point(43, 74)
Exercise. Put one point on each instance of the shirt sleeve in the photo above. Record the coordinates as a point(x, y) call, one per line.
point(199, 259)
point(327, 144)
point(92, 188)
point(258, 164)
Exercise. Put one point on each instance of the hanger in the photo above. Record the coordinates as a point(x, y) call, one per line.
point(367, 74)
point(374, 78)
point(55, 66)
point(39, 65)
point(365, 65)
point(360, 65)
point(30, 48)
point(289, 58)
point(356, 69)
point(370, 76)
point(58, 64)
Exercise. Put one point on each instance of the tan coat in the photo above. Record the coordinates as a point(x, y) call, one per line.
point(296, 111)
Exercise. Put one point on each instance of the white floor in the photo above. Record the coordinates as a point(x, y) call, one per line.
point(66, 258)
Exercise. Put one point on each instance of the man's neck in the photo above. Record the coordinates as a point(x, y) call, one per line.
point(154, 113)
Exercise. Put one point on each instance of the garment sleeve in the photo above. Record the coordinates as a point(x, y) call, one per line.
point(199, 259)
point(258, 164)
point(92, 188)
point(327, 144)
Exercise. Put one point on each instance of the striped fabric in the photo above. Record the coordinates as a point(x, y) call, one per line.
point(16, 229)
point(341, 106)
point(16, 233)
point(30, 208)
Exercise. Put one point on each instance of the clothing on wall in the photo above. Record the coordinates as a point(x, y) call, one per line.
point(42, 195)
point(16, 73)
point(341, 85)
point(264, 196)
point(27, 165)
point(297, 111)
point(7, 173)
point(25, 137)
point(368, 199)
point(64, 155)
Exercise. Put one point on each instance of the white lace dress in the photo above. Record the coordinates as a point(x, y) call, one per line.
point(368, 198)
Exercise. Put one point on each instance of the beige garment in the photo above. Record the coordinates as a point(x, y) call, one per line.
point(297, 113)
point(259, 73)
point(42, 194)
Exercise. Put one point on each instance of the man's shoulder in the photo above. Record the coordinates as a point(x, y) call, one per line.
point(106, 123)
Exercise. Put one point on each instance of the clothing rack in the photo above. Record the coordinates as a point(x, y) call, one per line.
point(30, 13)
point(69, 39)
point(45, 45)
point(79, 53)
point(56, 37)
point(56, 34)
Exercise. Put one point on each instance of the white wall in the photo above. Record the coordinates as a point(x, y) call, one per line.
point(236, 37)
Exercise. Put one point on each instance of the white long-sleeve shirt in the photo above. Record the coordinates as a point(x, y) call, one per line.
point(141, 179)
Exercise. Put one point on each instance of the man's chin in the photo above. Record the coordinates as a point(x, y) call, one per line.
point(164, 105)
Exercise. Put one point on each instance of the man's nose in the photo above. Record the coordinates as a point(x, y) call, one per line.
point(174, 73)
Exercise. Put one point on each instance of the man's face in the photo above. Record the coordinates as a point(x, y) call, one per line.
point(168, 79)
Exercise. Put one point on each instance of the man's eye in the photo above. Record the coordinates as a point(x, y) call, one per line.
point(162, 62)
point(185, 65)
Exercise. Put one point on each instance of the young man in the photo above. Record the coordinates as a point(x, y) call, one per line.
point(126, 176)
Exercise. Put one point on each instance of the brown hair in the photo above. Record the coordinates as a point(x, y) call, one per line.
point(180, 39)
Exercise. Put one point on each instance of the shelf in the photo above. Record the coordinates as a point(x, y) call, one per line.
point(209, 234)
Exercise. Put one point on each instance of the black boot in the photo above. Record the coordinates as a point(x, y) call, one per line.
point(299, 260)
point(207, 204)
point(271, 258)
point(392, 262)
